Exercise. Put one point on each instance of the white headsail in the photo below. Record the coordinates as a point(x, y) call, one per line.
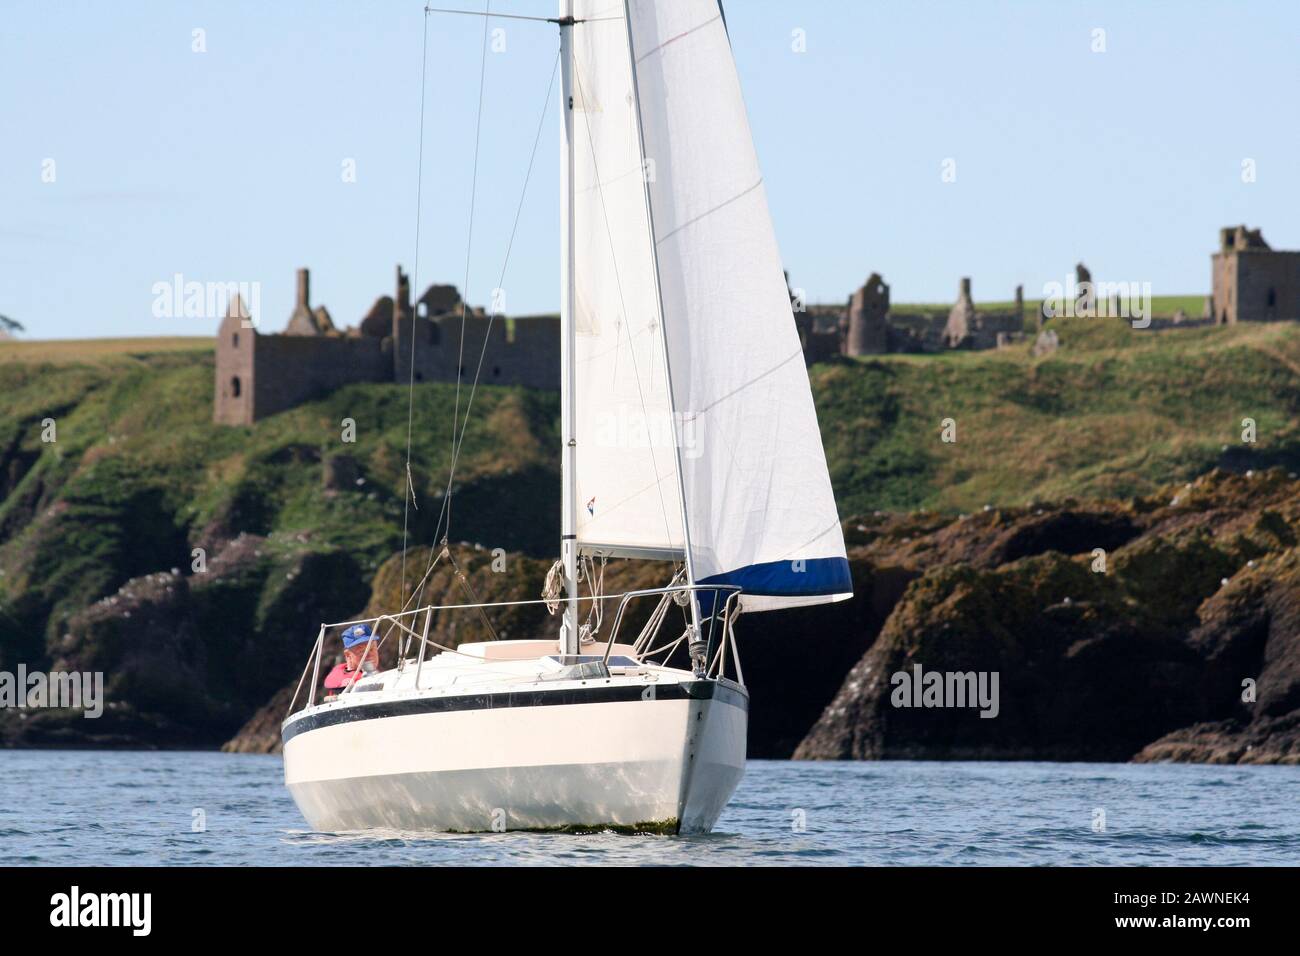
point(694, 268)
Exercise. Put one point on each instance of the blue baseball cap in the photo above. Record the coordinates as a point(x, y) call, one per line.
point(356, 634)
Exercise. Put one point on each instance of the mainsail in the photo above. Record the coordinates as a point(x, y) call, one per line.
point(629, 501)
point(695, 419)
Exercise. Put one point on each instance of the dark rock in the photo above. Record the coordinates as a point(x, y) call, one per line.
point(1201, 595)
point(261, 733)
point(1269, 740)
point(186, 659)
point(1079, 676)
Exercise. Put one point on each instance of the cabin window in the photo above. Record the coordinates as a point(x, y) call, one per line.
point(234, 387)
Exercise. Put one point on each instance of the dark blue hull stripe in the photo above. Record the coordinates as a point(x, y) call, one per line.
point(596, 694)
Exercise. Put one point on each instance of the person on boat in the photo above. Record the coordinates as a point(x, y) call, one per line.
point(360, 657)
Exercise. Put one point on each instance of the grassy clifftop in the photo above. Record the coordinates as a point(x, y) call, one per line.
point(1113, 413)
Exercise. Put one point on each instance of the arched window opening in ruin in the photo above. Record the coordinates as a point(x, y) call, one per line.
point(496, 371)
point(234, 340)
point(234, 387)
point(1272, 298)
point(419, 376)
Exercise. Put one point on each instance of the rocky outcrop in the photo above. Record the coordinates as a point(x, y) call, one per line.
point(1262, 741)
point(1249, 638)
point(1080, 673)
point(1173, 619)
point(186, 657)
point(261, 733)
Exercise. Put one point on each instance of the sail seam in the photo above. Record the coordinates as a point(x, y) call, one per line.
point(680, 36)
point(709, 212)
point(797, 353)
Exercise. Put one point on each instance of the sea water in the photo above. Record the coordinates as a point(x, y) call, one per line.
point(101, 808)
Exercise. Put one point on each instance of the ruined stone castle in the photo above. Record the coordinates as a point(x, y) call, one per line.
point(869, 325)
point(261, 374)
point(1252, 282)
point(258, 375)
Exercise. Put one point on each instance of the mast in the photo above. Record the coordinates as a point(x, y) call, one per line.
point(568, 344)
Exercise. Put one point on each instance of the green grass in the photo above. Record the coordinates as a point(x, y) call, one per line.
point(66, 351)
point(1115, 412)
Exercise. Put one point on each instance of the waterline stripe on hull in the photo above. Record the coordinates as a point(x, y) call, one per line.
point(603, 694)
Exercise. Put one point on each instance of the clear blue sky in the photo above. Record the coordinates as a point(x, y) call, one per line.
point(226, 165)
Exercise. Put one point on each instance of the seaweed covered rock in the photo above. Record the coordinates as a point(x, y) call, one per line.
point(185, 659)
point(1249, 639)
point(1070, 667)
point(1264, 741)
point(1145, 617)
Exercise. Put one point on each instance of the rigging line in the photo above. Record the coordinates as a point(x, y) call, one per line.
point(478, 371)
point(518, 16)
point(618, 282)
point(469, 246)
point(541, 123)
point(410, 393)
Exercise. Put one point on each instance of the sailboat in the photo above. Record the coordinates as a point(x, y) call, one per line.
point(675, 320)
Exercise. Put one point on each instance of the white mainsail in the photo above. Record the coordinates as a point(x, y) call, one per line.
point(679, 277)
point(629, 500)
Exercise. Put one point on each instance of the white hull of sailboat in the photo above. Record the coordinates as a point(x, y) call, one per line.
point(663, 763)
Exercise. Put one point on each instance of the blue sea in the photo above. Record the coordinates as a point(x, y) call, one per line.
point(140, 808)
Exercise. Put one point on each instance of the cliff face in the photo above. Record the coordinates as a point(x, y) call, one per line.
point(1192, 630)
point(186, 658)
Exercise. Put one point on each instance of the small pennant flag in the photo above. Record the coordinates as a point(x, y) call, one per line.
point(591, 505)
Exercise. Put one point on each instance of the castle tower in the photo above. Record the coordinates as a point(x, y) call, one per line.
point(963, 321)
point(402, 295)
point(403, 327)
point(304, 320)
point(1085, 301)
point(235, 353)
point(868, 325)
point(1252, 282)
